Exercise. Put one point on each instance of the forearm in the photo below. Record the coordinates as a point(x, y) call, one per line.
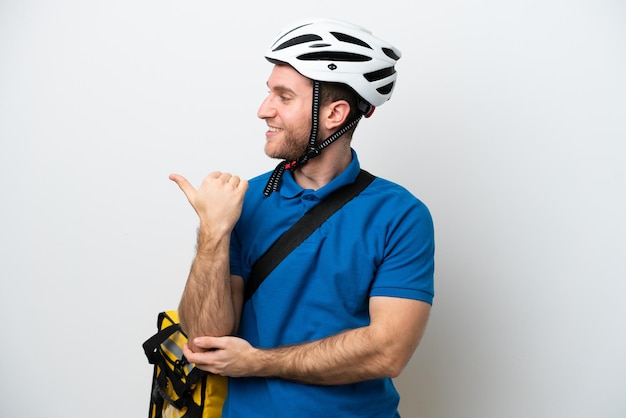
point(206, 306)
point(381, 349)
point(352, 356)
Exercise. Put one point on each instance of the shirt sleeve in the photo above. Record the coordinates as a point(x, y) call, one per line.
point(407, 268)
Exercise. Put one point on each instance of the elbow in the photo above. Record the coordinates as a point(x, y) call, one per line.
point(199, 326)
point(183, 322)
point(395, 367)
point(395, 371)
point(396, 358)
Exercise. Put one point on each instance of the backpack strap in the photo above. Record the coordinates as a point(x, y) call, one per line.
point(302, 229)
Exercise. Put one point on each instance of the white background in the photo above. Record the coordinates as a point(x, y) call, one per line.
point(508, 121)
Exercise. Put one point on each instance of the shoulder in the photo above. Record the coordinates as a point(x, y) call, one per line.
point(259, 181)
point(387, 192)
point(388, 207)
point(256, 185)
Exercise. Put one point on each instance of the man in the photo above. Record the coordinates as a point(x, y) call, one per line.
point(343, 313)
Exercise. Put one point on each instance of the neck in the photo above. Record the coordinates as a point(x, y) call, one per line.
point(321, 170)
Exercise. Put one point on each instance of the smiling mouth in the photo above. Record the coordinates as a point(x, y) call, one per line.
point(273, 129)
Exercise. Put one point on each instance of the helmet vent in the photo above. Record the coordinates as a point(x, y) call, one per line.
point(391, 54)
point(350, 39)
point(334, 56)
point(380, 74)
point(385, 89)
point(297, 41)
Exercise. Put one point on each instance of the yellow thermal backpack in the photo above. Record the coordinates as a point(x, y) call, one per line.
point(180, 390)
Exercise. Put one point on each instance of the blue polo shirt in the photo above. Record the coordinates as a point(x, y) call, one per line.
point(379, 244)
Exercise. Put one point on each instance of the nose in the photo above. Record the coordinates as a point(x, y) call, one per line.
point(266, 110)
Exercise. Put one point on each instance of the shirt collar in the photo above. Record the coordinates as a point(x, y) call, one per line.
point(290, 189)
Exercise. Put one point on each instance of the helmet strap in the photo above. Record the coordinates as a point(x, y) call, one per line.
point(313, 148)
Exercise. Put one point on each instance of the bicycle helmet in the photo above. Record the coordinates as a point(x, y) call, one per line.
point(327, 50)
point(341, 52)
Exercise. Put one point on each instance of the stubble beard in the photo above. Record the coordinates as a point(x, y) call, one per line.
point(294, 145)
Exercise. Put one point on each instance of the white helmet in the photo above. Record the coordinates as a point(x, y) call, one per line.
point(340, 52)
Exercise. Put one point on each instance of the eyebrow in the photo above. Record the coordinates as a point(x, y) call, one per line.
point(281, 89)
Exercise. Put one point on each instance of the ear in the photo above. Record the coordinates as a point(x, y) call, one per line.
point(335, 114)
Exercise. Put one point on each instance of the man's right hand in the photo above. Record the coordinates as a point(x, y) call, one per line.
point(218, 200)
